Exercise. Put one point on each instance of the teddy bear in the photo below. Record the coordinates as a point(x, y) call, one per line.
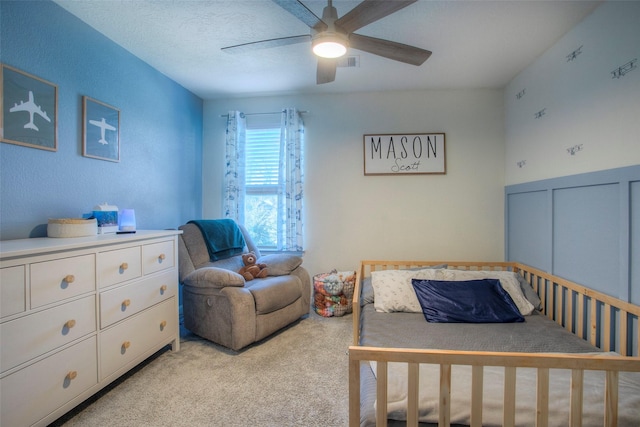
point(251, 270)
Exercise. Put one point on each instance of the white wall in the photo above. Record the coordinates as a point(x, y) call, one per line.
point(583, 104)
point(349, 216)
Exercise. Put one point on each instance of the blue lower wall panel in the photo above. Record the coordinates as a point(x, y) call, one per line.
point(585, 228)
point(528, 224)
point(586, 234)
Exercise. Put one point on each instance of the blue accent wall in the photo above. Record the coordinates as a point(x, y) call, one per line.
point(585, 228)
point(160, 168)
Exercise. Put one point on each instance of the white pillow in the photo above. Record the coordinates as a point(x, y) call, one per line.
point(393, 291)
point(508, 281)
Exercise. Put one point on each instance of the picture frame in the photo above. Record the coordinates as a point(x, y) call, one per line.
point(404, 154)
point(100, 130)
point(28, 110)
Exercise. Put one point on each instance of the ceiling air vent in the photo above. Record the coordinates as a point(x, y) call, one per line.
point(349, 61)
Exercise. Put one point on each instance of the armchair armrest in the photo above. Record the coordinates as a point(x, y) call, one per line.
point(213, 277)
point(280, 264)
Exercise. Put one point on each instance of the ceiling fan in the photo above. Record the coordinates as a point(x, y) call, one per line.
point(330, 36)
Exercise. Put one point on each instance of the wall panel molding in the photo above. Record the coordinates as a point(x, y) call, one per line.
point(589, 225)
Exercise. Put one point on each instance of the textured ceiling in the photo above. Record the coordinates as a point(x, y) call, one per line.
point(475, 44)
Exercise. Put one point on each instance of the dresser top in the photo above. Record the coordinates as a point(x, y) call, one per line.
point(40, 245)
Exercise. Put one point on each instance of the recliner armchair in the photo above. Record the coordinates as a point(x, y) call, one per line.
point(218, 303)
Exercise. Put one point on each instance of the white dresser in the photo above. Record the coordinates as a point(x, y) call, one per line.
point(75, 314)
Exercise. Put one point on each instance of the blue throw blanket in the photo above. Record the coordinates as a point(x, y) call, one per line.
point(222, 236)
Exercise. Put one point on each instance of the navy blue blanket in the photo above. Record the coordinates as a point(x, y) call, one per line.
point(469, 301)
point(222, 236)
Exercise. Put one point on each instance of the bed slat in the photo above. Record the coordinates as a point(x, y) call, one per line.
point(381, 392)
point(509, 411)
point(413, 394)
point(477, 384)
point(577, 387)
point(542, 403)
point(354, 392)
point(444, 411)
point(569, 319)
point(594, 322)
point(624, 318)
point(606, 333)
point(611, 399)
point(580, 317)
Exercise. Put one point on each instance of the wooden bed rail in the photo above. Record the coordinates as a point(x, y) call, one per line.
point(606, 322)
point(577, 363)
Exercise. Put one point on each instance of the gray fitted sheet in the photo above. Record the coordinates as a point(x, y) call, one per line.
point(538, 334)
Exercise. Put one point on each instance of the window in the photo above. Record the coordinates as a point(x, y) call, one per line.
point(263, 180)
point(262, 185)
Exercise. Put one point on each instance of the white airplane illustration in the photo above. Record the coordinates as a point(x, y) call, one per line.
point(102, 125)
point(30, 107)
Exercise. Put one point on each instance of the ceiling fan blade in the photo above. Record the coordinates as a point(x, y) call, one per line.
point(301, 12)
point(369, 11)
point(326, 70)
point(388, 49)
point(265, 44)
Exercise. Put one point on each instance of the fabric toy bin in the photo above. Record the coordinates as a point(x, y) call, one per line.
point(333, 293)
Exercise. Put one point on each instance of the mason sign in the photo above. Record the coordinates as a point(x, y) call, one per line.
point(403, 154)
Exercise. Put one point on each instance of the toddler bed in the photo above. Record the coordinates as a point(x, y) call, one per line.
point(572, 361)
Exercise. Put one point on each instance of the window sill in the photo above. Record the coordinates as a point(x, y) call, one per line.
point(273, 251)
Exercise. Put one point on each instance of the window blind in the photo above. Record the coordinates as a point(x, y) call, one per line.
point(262, 157)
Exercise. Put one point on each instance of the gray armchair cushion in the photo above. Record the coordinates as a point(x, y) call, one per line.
point(280, 264)
point(213, 277)
point(273, 293)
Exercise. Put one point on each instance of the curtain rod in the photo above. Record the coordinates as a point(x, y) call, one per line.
point(257, 114)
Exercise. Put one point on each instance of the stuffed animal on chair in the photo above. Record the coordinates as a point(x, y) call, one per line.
point(251, 270)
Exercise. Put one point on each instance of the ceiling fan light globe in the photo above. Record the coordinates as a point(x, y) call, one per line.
point(329, 49)
point(329, 44)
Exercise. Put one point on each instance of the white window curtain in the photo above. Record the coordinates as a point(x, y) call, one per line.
point(291, 163)
point(290, 209)
point(234, 174)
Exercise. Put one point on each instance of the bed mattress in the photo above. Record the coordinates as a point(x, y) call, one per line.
point(538, 334)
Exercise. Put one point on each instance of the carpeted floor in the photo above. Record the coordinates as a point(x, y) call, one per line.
point(297, 377)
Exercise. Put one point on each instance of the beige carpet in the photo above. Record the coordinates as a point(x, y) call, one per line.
point(297, 377)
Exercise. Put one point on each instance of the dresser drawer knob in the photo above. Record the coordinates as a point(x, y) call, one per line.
point(163, 288)
point(163, 325)
point(70, 278)
point(124, 266)
point(126, 345)
point(72, 375)
point(162, 257)
point(126, 303)
point(70, 324)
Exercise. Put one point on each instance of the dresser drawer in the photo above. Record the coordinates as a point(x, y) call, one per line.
point(157, 257)
point(33, 335)
point(32, 393)
point(12, 290)
point(56, 280)
point(119, 266)
point(125, 342)
point(120, 303)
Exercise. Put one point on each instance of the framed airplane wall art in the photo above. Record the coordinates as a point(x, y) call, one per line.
point(28, 110)
point(100, 130)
